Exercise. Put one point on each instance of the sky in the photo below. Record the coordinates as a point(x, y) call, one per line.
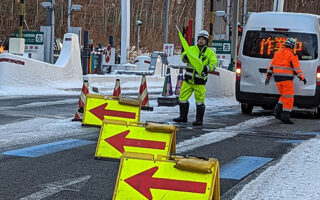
point(295, 176)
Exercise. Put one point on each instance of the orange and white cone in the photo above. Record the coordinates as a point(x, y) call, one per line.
point(117, 89)
point(143, 95)
point(82, 101)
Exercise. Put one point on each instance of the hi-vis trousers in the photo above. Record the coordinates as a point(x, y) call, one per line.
point(286, 90)
point(188, 88)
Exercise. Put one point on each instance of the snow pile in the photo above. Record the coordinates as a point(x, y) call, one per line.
point(296, 176)
point(18, 73)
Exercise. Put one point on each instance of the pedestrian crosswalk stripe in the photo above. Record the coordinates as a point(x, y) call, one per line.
point(306, 133)
point(242, 166)
point(290, 141)
point(44, 149)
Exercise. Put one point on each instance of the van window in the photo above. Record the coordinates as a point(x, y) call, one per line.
point(260, 44)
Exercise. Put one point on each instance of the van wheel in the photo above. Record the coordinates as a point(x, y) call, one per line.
point(317, 112)
point(246, 108)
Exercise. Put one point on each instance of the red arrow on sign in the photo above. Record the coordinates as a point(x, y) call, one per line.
point(143, 181)
point(101, 111)
point(119, 141)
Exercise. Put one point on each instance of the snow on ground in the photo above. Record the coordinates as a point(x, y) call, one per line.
point(296, 176)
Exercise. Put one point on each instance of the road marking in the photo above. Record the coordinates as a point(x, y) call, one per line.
point(222, 134)
point(290, 141)
point(74, 184)
point(306, 133)
point(242, 166)
point(49, 148)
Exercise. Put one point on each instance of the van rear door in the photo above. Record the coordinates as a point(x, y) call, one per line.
point(258, 50)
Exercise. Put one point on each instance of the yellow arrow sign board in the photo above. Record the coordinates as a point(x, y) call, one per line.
point(146, 179)
point(117, 137)
point(99, 107)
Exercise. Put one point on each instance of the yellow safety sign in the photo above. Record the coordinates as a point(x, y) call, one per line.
point(117, 137)
point(99, 107)
point(141, 177)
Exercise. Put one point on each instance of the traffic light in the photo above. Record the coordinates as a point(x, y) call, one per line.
point(239, 30)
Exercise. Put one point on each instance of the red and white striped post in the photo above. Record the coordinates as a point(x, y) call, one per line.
point(143, 95)
point(117, 89)
point(82, 101)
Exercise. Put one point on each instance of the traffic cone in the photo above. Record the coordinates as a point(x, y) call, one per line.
point(143, 95)
point(167, 98)
point(82, 101)
point(179, 82)
point(167, 87)
point(117, 89)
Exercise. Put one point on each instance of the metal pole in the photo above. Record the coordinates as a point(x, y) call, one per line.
point(234, 42)
point(52, 32)
point(199, 18)
point(69, 16)
point(21, 19)
point(49, 14)
point(228, 20)
point(85, 53)
point(125, 30)
point(278, 5)
point(217, 23)
point(138, 40)
point(211, 23)
point(166, 19)
point(244, 17)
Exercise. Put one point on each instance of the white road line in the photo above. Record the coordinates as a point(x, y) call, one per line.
point(39, 104)
point(221, 134)
point(58, 186)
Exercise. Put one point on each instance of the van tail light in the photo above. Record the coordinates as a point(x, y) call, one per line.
point(238, 70)
point(318, 75)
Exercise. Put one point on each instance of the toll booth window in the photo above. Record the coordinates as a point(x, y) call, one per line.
point(264, 44)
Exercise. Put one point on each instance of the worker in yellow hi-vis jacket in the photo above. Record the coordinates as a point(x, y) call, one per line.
point(193, 80)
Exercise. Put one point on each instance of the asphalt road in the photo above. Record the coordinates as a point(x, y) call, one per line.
point(75, 174)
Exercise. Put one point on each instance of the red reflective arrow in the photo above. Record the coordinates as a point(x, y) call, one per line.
point(143, 181)
point(101, 111)
point(119, 141)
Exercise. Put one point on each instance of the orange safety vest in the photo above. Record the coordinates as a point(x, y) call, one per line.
point(284, 66)
point(1, 49)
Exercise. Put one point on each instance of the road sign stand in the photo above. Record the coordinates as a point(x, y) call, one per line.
point(118, 136)
point(142, 176)
point(100, 107)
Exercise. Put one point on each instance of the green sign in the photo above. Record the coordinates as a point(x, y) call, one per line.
point(222, 46)
point(32, 37)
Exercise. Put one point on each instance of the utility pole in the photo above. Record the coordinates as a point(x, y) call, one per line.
point(199, 18)
point(217, 21)
point(234, 42)
point(21, 19)
point(211, 23)
point(52, 31)
point(228, 20)
point(278, 5)
point(166, 19)
point(69, 16)
point(125, 30)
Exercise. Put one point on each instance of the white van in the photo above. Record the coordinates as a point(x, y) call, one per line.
point(263, 35)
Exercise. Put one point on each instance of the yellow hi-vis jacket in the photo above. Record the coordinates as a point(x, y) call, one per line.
point(209, 61)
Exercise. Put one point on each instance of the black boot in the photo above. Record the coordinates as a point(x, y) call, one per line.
point(184, 109)
point(200, 114)
point(277, 111)
point(285, 117)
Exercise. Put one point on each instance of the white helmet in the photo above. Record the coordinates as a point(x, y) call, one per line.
point(204, 34)
point(290, 42)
